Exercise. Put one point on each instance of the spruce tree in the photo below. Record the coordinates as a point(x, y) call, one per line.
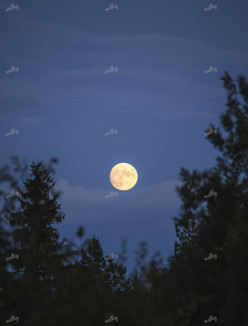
point(37, 243)
point(217, 225)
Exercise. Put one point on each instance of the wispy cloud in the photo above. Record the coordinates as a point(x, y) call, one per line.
point(164, 88)
point(161, 195)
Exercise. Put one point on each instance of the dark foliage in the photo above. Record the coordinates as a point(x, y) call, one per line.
point(56, 282)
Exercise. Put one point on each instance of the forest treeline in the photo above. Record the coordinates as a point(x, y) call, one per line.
point(56, 282)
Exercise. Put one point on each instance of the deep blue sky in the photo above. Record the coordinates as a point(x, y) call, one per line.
point(160, 101)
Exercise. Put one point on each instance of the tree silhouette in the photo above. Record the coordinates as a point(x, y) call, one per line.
point(8, 303)
point(57, 282)
point(219, 286)
point(37, 243)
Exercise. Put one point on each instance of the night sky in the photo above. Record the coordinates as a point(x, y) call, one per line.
point(161, 99)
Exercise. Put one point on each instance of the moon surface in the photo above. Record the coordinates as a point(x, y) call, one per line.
point(123, 176)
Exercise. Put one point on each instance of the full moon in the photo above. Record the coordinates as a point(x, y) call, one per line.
point(123, 176)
